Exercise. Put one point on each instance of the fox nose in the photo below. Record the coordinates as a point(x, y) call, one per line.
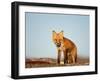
point(58, 44)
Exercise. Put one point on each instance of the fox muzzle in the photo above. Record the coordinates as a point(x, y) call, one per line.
point(58, 44)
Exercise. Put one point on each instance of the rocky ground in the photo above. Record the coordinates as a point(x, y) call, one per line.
point(50, 62)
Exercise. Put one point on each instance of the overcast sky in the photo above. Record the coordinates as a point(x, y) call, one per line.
point(39, 29)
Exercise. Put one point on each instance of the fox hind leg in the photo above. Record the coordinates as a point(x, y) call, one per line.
point(73, 59)
point(74, 55)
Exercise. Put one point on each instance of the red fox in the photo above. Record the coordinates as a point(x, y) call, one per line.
point(66, 46)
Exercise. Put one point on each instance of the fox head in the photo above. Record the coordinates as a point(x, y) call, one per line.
point(57, 38)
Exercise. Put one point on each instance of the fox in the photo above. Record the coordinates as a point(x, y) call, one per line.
point(66, 46)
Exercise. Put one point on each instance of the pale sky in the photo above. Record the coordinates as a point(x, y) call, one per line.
point(39, 27)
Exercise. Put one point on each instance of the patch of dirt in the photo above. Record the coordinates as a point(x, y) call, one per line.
point(50, 62)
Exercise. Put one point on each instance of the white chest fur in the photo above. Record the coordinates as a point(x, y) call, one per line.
point(61, 48)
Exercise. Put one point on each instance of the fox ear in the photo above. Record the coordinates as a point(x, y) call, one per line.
point(53, 34)
point(61, 33)
point(53, 31)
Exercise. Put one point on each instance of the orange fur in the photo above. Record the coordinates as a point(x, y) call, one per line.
point(66, 46)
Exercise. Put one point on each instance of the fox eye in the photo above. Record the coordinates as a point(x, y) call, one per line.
point(55, 39)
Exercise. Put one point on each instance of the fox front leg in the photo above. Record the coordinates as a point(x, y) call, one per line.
point(59, 56)
point(65, 57)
